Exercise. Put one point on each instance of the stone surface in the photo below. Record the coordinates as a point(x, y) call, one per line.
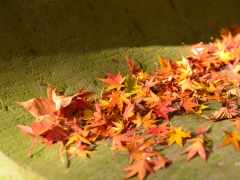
point(69, 44)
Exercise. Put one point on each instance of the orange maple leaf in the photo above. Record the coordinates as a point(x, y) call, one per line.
point(141, 168)
point(119, 141)
point(232, 138)
point(161, 163)
point(146, 121)
point(119, 98)
point(114, 81)
point(196, 147)
point(188, 105)
point(139, 150)
point(236, 123)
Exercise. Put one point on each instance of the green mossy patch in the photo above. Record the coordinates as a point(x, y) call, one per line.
point(70, 43)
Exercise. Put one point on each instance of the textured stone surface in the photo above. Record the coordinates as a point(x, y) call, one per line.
point(70, 43)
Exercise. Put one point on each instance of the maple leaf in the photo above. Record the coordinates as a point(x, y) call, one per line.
point(141, 168)
point(146, 121)
point(35, 130)
point(188, 84)
point(39, 106)
point(138, 151)
point(81, 101)
point(128, 111)
point(176, 134)
point(162, 109)
point(119, 141)
point(222, 113)
point(236, 123)
point(88, 114)
point(184, 69)
point(150, 83)
point(114, 81)
point(232, 138)
point(119, 98)
point(223, 56)
point(157, 130)
point(196, 49)
point(119, 127)
point(161, 163)
point(235, 92)
point(196, 147)
point(188, 105)
point(200, 108)
point(166, 69)
point(202, 130)
point(76, 138)
point(132, 67)
point(142, 76)
point(152, 100)
point(80, 150)
point(98, 116)
point(61, 100)
point(54, 134)
point(131, 85)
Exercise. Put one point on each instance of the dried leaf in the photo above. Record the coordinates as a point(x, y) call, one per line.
point(141, 168)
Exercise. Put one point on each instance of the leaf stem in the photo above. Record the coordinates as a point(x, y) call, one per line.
point(29, 154)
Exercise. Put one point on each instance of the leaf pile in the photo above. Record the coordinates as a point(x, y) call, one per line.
point(139, 105)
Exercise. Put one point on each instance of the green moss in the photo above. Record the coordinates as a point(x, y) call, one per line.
point(70, 43)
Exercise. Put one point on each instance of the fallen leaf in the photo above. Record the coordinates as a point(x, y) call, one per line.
point(232, 138)
point(141, 168)
point(35, 130)
point(176, 134)
point(196, 147)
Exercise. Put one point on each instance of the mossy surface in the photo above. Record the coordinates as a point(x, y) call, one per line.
point(69, 44)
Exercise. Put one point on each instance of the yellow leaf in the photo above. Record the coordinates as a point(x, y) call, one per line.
point(176, 134)
point(223, 56)
point(201, 106)
point(88, 114)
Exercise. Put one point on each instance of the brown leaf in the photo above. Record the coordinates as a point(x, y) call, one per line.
point(39, 106)
point(223, 113)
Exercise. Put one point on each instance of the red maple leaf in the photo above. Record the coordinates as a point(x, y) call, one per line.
point(54, 134)
point(162, 109)
point(132, 67)
point(35, 130)
point(114, 81)
point(156, 130)
point(81, 101)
